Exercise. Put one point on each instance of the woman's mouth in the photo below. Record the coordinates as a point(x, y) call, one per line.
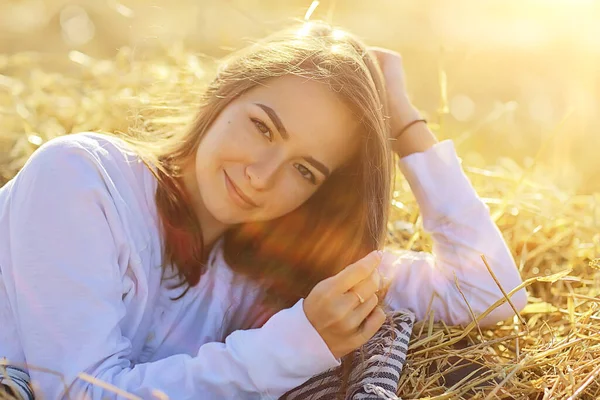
point(236, 194)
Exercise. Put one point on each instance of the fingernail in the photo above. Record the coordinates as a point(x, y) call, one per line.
point(386, 281)
point(373, 258)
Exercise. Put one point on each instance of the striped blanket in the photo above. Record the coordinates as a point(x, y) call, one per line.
point(375, 376)
point(15, 382)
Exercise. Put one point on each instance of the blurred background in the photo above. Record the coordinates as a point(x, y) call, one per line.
point(516, 79)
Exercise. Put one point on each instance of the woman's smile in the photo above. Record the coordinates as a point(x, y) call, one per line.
point(237, 195)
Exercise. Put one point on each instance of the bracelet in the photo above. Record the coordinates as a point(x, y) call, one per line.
point(408, 126)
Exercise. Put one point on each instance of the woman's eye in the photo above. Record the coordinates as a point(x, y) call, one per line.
point(263, 129)
point(305, 172)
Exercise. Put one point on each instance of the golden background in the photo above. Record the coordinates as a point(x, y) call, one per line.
point(501, 78)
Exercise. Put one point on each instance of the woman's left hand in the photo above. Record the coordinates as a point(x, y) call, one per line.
point(401, 109)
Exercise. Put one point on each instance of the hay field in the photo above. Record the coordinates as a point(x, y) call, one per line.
point(52, 85)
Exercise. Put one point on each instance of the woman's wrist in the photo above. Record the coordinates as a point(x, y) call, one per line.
point(404, 114)
point(416, 138)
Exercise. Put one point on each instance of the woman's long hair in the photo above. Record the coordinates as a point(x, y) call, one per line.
point(342, 222)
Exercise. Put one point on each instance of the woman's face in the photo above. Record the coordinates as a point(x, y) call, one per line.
point(270, 149)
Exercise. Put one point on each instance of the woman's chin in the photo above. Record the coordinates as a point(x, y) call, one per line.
point(230, 215)
point(228, 212)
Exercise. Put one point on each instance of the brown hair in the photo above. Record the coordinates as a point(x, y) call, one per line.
point(343, 221)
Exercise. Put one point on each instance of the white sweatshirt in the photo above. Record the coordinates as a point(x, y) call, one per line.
point(80, 281)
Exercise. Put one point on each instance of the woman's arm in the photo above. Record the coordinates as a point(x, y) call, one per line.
point(462, 229)
point(453, 214)
point(65, 289)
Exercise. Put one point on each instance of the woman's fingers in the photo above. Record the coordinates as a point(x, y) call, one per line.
point(340, 307)
point(363, 289)
point(355, 273)
point(338, 315)
point(353, 321)
point(371, 325)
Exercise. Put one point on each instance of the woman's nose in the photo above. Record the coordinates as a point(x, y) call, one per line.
point(262, 174)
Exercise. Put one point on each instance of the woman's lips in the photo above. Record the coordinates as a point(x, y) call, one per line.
point(237, 195)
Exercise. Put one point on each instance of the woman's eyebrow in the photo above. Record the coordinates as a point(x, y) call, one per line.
point(318, 165)
point(275, 119)
point(284, 135)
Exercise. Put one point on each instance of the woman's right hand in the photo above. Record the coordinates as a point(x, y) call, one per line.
point(336, 312)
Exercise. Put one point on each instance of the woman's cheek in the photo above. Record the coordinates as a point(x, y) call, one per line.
point(295, 196)
point(234, 144)
point(276, 206)
point(242, 138)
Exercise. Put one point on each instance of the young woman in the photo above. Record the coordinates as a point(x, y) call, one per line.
point(240, 258)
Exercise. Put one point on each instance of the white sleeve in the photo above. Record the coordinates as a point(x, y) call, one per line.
point(461, 229)
point(66, 293)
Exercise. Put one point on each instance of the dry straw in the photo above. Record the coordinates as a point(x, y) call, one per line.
point(549, 351)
